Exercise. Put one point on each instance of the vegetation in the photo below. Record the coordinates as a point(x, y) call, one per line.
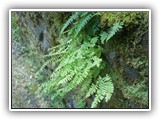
point(85, 59)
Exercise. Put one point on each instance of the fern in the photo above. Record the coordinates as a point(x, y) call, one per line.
point(103, 89)
point(75, 67)
point(83, 22)
point(69, 21)
point(80, 24)
point(106, 36)
point(93, 42)
point(79, 62)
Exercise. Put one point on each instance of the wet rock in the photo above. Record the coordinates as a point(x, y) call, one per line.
point(130, 73)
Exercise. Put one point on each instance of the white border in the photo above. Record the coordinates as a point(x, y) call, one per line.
point(56, 10)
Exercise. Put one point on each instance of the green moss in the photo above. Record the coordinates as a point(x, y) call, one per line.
point(128, 18)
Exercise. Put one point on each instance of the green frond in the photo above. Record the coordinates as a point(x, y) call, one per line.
point(69, 21)
point(91, 91)
point(114, 29)
point(105, 36)
point(93, 42)
point(85, 84)
point(66, 79)
point(80, 25)
point(95, 102)
point(44, 65)
point(103, 89)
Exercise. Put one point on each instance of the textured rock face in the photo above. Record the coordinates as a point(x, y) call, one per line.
point(130, 73)
point(120, 61)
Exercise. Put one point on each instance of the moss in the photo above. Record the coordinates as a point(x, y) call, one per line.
point(127, 49)
point(128, 18)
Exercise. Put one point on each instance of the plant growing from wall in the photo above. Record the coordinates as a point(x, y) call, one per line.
point(78, 63)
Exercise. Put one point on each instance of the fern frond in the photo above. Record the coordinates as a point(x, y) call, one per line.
point(93, 26)
point(82, 23)
point(59, 47)
point(96, 61)
point(79, 24)
point(83, 14)
point(106, 36)
point(93, 42)
point(69, 21)
point(114, 29)
point(103, 89)
point(52, 61)
point(66, 79)
point(91, 91)
point(95, 102)
point(85, 84)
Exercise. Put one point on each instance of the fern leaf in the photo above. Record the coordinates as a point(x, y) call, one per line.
point(93, 42)
point(97, 61)
point(104, 36)
point(83, 14)
point(91, 91)
point(113, 30)
point(95, 102)
point(85, 84)
point(104, 90)
point(82, 23)
point(69, 21)
point(66, 79)
point(55, 60)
